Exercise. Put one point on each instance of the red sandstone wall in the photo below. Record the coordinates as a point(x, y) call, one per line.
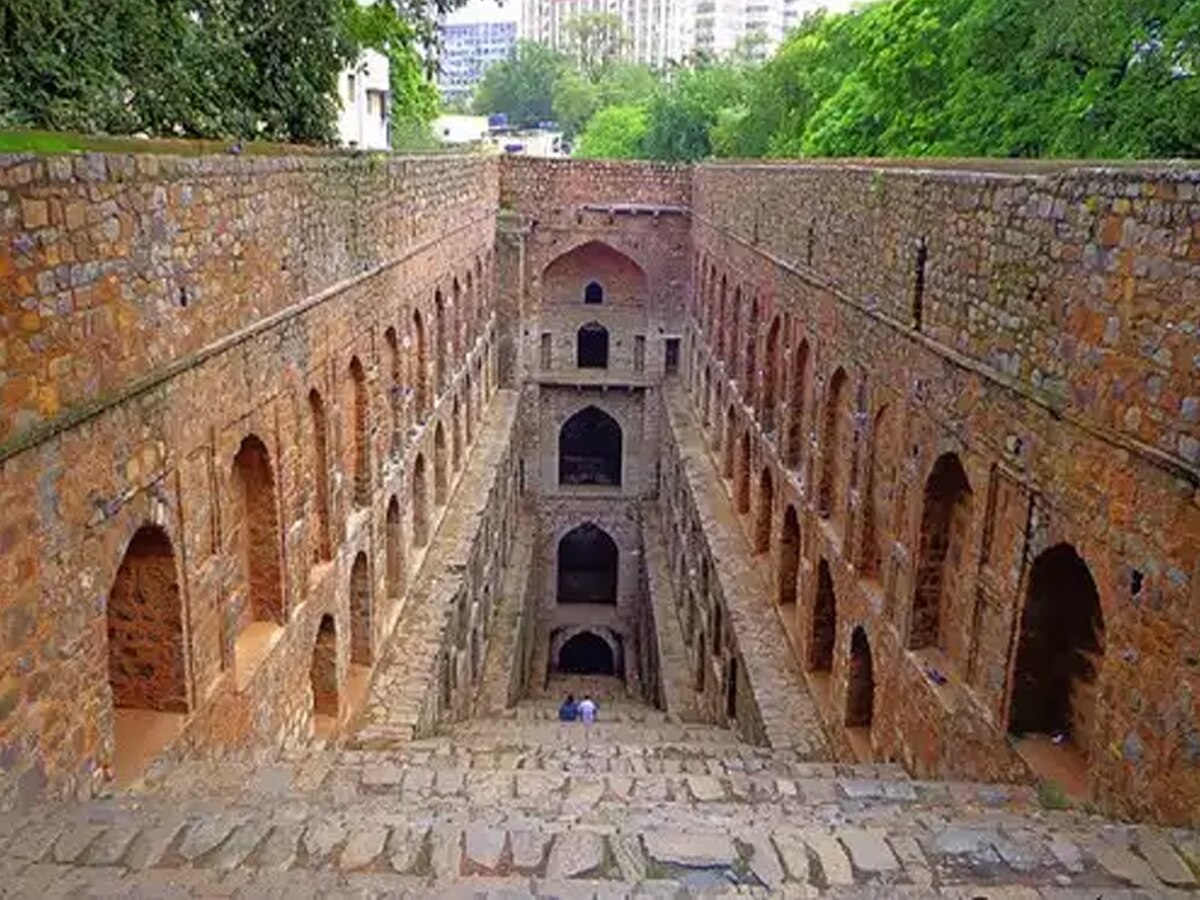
point(125, 407)
point(1056, 358)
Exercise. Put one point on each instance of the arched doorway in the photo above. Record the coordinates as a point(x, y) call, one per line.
point(420, 512)
point(834, 453)
point(944, 522)
point(789, 558)
point(823, 635)
point(323, 549)
point(323, 678)
point(587, 654)
point(860, 688)
point(361, 635)
point(591, 346)
point(146, 665)
point(589, 449)
point(587, 566)
point(1060, 651)
point(440, 478)
point(439, 341)
point(593, 293)
point(795, 433)
point(762, 515)
point(392, 389)
point(770, 376)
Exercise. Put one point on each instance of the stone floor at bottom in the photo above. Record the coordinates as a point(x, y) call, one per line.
point(522, 805)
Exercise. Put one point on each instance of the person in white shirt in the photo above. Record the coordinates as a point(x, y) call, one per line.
point(587, 710)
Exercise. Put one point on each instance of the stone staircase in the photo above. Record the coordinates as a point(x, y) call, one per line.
point(521, 804)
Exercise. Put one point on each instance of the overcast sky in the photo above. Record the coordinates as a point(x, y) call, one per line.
point(510, 10)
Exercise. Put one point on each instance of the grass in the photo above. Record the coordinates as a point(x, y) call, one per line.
point(1051, 795)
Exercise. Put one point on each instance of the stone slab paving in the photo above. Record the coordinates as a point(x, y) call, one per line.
point(789, 716)
point(672, 651)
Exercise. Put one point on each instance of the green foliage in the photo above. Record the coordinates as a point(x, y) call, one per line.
point(1051, 795)
point(616, 132)
point(595, 41)
point(686, 109)
point(574, 99)
point(247, 69)
point(414, 96)
point(521, 86)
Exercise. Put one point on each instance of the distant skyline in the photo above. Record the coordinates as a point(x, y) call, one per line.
point(510, 10)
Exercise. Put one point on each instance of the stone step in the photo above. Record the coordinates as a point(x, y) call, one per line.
point(158, 848)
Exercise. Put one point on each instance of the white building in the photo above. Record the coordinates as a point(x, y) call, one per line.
point(363, 89)
point(467, 49)
point(654, 29)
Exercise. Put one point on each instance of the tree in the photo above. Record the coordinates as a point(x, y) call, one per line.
point(615, 132)
point(685, 110)
point(595, 40)
point(574, 100)
point(522, 85)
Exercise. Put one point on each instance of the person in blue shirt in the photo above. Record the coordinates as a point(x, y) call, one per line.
point(569, 710)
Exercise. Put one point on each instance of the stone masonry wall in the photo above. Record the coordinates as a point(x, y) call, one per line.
point(1047, 354)
point(165, 317)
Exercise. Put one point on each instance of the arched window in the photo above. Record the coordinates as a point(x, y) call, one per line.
point(591, 346)
point(587, 654)
point(824, 623)
point(420, 522)
point(879, 461)
point(440, 479)
point(439, 341)
point(392, 387)
point(587, 566)
point(322, 549)
point(361, 634)
point(1060, 652)
point(589, 449)
point(593, 293)
point(361, 428)
point(860, 687)
point(322, 675)
point(944, 522)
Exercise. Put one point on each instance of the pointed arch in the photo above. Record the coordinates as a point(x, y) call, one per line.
point(880, 455)
point(796, 405)
point(1060, 651)
point(587, 559)
point(741, 474)
point(439, 341)
point(441, 481)
point(360, 430)
point(749, 390)
point(456, 313)
point(789, 557)
point(393, 387)
point(589, 449)
point(735, 338)
point(860, 686)
point(362, 638)
point(421, 361)
point(455, 435)
point(569, 277)
point(823, 633)
point(322, 672)
point(729, 442)
point(322, 543)
point(394, 552)
point(945, 519)
point(771, 376)
point(420, 511)
point(834, 452)
point(593, 292)
point(762, 515)
point(258, 536)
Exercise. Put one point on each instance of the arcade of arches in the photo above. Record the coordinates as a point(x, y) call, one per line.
point(664, 434)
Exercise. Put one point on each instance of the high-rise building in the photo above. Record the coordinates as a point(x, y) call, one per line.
point(467, 51)
point(654, 32)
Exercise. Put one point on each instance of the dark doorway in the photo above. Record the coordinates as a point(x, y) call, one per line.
point(731, 676)
point(1060, 650)
point(671, 357)
point(589, 449)
point(945, 520)
point(587, 654)
point(824, 623)
point(860, 692)
point(587, 566)
point(592, 347)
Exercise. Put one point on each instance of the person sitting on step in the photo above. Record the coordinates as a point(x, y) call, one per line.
point(569, 711)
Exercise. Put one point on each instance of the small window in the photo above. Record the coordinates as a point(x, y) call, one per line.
point(351, 84)
point(545, 350)
point(593, 293)
point(639, 353)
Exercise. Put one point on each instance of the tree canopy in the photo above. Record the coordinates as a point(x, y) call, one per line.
point(204, 68)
